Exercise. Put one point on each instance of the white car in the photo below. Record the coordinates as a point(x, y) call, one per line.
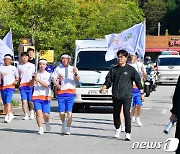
point(168, 67)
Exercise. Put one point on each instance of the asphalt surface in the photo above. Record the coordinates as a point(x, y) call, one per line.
point(92, 130)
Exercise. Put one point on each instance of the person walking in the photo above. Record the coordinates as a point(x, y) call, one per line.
point(121, 77)
point(64, 78)
point(26, 71)
point(9, 78)
point(42, 95)
point(175, 117)
point(122, 120)
point(136, 100)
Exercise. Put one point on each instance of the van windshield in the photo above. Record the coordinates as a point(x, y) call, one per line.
point(94, 60)
point(170, 61)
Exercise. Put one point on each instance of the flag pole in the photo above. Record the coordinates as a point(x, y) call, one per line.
point(36, 61)
point(12, 48)
point(144, 37)
point(143, 24)
point(139, 37)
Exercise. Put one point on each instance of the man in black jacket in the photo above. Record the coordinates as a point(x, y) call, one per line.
point(30, 51)
point(176, 112)
point(121, 78)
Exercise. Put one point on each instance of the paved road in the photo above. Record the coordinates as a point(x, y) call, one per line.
point(92, 130)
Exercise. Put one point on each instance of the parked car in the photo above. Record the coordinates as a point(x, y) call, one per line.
point(168, 67)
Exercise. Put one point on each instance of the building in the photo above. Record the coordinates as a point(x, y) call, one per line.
point(156, 44)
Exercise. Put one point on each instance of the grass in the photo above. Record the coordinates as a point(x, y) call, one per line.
point(15, 103)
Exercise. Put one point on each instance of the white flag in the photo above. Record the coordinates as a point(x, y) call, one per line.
point(132, 40)
point(4, 49)
point(8, 40)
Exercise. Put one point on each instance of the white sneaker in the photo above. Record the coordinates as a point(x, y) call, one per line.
point(138, 121)
point(48, 127)
point(117, 133)
point(26, 117)
point(133, 119)
point(11, 117)
point(63, 128)
point(122, 128)
point(41, 131)
point(6, 119)
point(32, 114)
point(68, 131)
point(127, 137)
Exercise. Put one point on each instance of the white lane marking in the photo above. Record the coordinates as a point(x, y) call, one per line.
point(147, 108)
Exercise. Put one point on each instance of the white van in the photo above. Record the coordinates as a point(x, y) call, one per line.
point(168, 68)
point(92, 68)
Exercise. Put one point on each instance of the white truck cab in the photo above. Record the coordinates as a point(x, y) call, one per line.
point(92, 68)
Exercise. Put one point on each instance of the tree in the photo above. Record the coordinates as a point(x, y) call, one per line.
point(52, 22)
point(141, 3)
point(56, 24)
point(173, 12)
point(100, 17)
point(155, 11)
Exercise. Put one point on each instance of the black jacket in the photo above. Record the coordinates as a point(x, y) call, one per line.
point(121, 79)
point(176, 101)
point(32, 61)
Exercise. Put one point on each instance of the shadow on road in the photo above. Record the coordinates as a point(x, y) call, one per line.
point(92, 119)
point(25, 131)
point(92, 109)
point(166, 84)
point(93, 135)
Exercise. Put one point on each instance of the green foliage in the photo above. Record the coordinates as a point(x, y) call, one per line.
point(155, 11)
point(15, 103)
point(164, 11)
point(172, 16)
point(171, 5)
point(56, 24)
point(166, 33)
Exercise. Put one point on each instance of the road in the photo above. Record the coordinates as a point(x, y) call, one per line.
point(92, 130)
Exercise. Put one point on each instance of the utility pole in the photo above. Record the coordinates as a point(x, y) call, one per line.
point(159, 25)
